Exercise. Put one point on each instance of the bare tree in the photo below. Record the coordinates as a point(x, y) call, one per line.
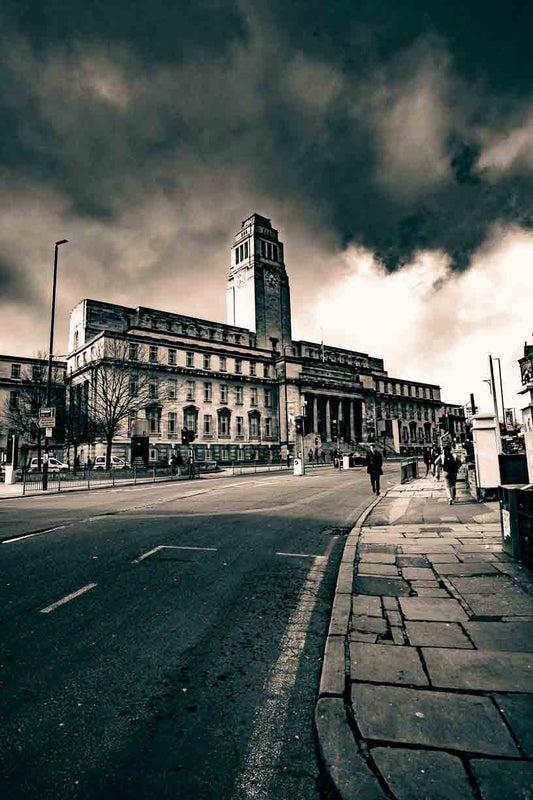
point(123, 382)
point(21, 410)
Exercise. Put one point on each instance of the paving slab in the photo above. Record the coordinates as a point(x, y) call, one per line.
point(482, 670)
point(375, 558)
point(510, 636)
point(369, 605)
point(428, 591)
point(433, 719)
point(478, 557)
point(483, 584)
point(437, 634)
point(469, 568)
point(369, 662)
point(346, 767)
point(418, 573)
point(500, 605)
point(517, 709)
point(365, 568)
point(422, 774)
point(332, 679)
point(432, 609)
point(412, 561)
point(369, 624)
point(497, 779)
point(368, 584)
point(434, 548)
point(443, 558)
point(360, 636)
point(377, 548)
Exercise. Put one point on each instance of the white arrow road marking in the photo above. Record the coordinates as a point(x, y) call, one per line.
point(67, 598)
point(266, 741)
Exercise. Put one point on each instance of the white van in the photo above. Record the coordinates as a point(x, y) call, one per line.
point(116, 463)
point(54, 465)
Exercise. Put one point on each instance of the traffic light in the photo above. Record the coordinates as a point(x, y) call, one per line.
point(299, 423)
point(187, 436)
point(191, 435)
point(335, 428)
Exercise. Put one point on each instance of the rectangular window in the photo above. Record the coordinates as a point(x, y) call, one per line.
point(190, 390)
point(253, 396)
point(172, 422)
point(223, 364)
point(13, 399)
point(133, 386)
point(239, 395)
point(15, 370)
point(268, 427)
point(36, 372)
point(223, 425)
point(237, 259)
point(190, 359)
point(238, 366)
point(208, 425)
point(207, 393)
point(132, 417)
point(239, 426)
point(153, 354)
point(207, 362)
point(133, 352)
point(152, 389)
point(172, 356)
point(154, 421)
point(252, 367)
point(223, 393)
point(268, 397)
point(172, 388)
point(191, 421)
point(266, 370)
point(254, 426)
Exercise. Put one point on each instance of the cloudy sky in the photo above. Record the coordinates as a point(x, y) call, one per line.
point(390, 143)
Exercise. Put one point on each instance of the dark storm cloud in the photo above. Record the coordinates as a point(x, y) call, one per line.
point(372, 119)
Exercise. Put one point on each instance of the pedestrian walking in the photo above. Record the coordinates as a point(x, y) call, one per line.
point(322, 456)
point(310, 456)
point(374, 467)
point(427, 459)
point(437, 466)
point(450, 466)
point(316, 454)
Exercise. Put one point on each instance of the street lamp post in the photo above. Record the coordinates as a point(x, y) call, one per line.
point(501, 390)
point(50, 356)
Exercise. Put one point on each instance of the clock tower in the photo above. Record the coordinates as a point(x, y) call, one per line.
point(258, 295)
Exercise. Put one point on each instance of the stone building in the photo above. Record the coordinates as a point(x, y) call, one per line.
point(240, 386)
point(23, 382)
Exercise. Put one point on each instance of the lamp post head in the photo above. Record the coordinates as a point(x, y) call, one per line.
point(63, 241)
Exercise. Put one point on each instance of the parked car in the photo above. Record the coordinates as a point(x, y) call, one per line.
point(54, 465)
point(116, 463)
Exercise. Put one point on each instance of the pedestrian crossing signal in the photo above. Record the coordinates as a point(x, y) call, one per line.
point(299, 423)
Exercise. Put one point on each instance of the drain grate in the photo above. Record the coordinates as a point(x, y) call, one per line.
point(337, 531)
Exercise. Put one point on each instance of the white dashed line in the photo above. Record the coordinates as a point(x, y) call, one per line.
point(67, 598)
point(300, 555)
point(37, 533)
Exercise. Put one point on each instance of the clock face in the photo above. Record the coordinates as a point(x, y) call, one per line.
point(271, 278)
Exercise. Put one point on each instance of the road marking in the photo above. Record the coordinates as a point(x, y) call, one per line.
point(266, 741)
point(300, 555)
point(170, 547)
point(67, 598)
point(37, 533)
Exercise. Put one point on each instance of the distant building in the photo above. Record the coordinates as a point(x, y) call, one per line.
point(23, 386)
point(240, 386)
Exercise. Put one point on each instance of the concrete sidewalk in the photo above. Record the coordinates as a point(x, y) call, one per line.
point(427, 682)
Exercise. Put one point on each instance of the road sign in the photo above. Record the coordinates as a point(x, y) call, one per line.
point(47, 418)
point(48, 432)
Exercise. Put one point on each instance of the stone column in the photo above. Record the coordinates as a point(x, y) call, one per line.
point(352, 420)
point(328, 420)
point(315, 413)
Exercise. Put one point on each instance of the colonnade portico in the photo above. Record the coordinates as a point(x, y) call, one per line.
point(321, 409)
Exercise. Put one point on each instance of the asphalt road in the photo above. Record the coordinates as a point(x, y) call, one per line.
point(166, 642)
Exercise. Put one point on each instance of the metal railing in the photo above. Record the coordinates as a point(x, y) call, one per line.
point(409, 469)
point(96, 478)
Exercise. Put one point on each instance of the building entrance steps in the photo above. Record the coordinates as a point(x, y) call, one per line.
point(428, 672)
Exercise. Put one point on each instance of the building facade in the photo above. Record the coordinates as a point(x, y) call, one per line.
point(241, 385)
point(23, 383)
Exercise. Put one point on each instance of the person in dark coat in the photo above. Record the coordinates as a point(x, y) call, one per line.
point(374, 467)
point(427, 459)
